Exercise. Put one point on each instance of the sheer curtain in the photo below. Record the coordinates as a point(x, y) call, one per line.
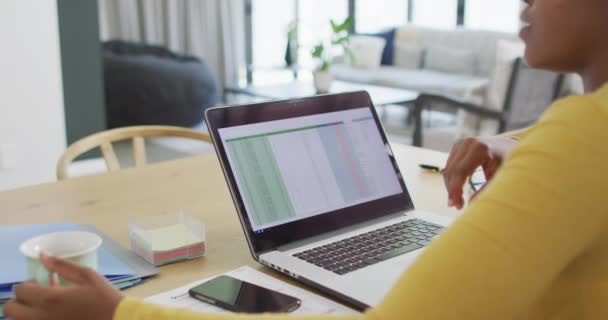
point(210, 29)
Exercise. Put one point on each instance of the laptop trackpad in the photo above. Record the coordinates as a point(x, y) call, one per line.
point(371, 284)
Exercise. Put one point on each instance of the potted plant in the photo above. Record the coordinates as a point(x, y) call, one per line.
point(323, 54)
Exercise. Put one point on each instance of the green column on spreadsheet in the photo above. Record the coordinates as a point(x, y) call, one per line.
point(261, 180)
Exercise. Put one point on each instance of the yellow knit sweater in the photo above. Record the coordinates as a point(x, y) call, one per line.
point(534, 245)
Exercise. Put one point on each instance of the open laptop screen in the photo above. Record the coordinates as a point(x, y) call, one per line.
point(290, 171)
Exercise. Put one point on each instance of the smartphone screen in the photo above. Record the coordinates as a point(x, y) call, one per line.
point(239, 296)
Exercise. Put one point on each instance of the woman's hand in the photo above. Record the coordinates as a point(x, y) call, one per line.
point(466, 156)
point(88, 297)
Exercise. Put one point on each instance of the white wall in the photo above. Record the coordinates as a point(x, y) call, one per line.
point(32, 125)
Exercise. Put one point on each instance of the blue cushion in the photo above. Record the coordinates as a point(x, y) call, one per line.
point(389, 48)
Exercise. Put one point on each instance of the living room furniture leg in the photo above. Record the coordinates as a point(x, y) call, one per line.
point(417, 115)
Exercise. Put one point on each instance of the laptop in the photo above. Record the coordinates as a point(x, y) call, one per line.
point(319, 194)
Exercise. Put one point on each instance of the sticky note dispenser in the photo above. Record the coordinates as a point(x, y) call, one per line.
point(167, 238)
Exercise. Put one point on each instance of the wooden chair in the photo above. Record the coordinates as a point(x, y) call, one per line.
point(104, 140)
point(529, 93)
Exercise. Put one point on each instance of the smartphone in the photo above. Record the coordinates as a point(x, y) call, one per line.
point(240, 296)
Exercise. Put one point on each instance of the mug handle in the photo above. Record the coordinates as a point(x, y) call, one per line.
point(43, 276)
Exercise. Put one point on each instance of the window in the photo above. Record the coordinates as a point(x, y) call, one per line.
point(270, 32)
point(271, 19)
point(375, 16)
point(436, 13)
point(314, 23)
point(493, 15)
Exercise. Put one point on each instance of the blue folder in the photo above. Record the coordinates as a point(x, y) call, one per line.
point(14, 264)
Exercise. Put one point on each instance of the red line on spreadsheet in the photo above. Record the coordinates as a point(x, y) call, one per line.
point(351, 164)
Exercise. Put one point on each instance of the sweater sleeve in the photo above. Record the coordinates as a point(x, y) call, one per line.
point(512, 242)
point(134, 309)
point(517, 237)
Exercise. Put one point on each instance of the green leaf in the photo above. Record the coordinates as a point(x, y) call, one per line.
point(341, 40)
point(317, 51)
point(335, 27)
point(324, 66)
point(343, 27)
point(347, 24)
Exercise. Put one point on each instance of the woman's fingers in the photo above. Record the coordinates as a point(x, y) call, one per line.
point(67, 269)
point(31, 294)
point(17, 311)
point(491, 166)
point(464, 159)
point(450, 174)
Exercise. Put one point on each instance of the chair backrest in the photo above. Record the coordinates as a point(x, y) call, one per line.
point(104, 140)
point(529, 94)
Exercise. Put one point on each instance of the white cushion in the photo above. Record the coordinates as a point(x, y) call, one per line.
point(430, 81)
point(406, 34)
point(573, 84)
point(351, 74)
point(408, 56)
point(482, 42)
point(463, 86)
point(367, 51)
point(506, 53)
point(451, 60)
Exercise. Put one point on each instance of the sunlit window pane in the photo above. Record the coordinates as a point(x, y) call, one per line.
point(437, 13)
point(493, 15)
point(270, 31)
point(314, 23)
point(374, 15)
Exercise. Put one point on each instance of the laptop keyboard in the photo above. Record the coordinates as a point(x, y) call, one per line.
point(354, 253)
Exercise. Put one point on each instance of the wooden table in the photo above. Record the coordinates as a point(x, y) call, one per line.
point(195, 185)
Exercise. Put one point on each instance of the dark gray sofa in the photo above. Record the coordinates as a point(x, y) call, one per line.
point(147, 85)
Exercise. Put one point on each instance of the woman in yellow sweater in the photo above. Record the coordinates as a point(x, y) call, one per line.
point(533, 245)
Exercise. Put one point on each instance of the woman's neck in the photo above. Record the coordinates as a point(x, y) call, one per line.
point(595, 75)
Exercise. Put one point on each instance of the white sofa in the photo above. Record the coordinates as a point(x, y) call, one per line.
point(469, 82)
point(473, 65)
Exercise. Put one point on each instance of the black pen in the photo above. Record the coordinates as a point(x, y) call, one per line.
point(431, 168)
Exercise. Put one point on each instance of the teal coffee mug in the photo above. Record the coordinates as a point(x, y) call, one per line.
point(77, 246)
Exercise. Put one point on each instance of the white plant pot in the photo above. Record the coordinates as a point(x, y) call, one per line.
point(323, 81)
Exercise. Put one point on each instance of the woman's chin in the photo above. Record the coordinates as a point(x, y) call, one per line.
point(546, 61)
point(532, 59)
point(535, 57)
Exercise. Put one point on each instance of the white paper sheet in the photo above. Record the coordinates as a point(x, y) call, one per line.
point(311, 303)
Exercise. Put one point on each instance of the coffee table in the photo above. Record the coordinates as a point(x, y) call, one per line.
point(380, 95)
